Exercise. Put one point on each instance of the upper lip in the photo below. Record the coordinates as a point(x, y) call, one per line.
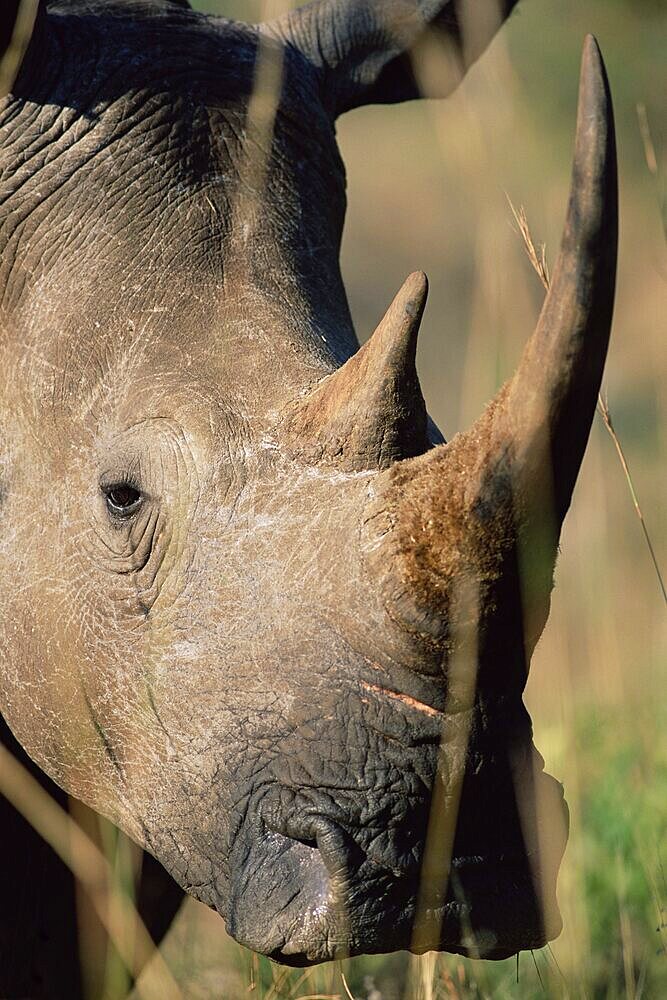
point(343, 886)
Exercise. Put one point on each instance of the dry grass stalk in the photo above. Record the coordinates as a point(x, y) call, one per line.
point(438, 849)
point(651, 158)
point(537, 256)
point(649, 148)
point(11, 61)
point(538, 260)
point(603, 410)
point(348, 992)
point(279, 980)
point(93, 871)
point(304, 977)
point(322, 996)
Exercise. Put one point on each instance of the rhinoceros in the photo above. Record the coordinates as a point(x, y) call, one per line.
point(253, 608)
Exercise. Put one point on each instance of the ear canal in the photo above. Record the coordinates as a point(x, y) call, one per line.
point(490, 504)
point(371, 411)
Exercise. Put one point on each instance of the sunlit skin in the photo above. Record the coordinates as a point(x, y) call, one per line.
point(265, 620)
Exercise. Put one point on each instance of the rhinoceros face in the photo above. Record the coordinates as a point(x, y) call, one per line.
point(252, 608)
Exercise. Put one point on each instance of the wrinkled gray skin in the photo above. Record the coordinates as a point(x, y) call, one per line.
point(218, 673)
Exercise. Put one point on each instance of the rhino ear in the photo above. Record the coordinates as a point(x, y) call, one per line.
point(373, 51)
point(18, 19)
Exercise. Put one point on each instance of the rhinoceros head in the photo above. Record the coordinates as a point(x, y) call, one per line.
point(252, 607)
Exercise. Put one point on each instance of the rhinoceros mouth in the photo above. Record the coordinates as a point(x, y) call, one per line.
point(289, 901)
point(307, 892)
point(296, 914)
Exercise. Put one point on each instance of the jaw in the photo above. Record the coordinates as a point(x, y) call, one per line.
point(315, 894)
point(294, 916)
point(330, 842)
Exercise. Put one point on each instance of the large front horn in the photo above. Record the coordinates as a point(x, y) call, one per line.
point(490, 504)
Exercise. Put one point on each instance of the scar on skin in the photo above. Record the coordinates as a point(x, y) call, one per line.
point(404, 698)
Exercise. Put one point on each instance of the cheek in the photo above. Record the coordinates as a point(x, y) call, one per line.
point(40, 693)
point(57, 676)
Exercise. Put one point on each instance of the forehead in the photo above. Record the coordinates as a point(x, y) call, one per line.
point(140, 121)
point(136, 205)
point(203, 352)
point(119, 64)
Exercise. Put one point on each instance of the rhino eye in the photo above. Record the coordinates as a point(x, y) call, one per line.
point(122, 499)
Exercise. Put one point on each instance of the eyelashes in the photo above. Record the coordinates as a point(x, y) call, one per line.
point(123, 499)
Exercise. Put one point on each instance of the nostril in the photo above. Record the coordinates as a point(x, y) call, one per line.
point(306, 841)
point(339, 853)
point(299, 830)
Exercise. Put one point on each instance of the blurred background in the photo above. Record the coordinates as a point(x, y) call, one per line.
point(428, 187)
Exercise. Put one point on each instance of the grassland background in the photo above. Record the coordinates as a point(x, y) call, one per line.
point(427, 189)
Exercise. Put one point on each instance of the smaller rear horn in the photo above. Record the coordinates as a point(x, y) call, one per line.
point(369, 413)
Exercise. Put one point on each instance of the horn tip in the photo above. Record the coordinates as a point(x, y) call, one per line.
point(399, 328)
point(595, 142)
point(591, 46)
point(412, 296)
point(415, 288)
point(594, 81)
